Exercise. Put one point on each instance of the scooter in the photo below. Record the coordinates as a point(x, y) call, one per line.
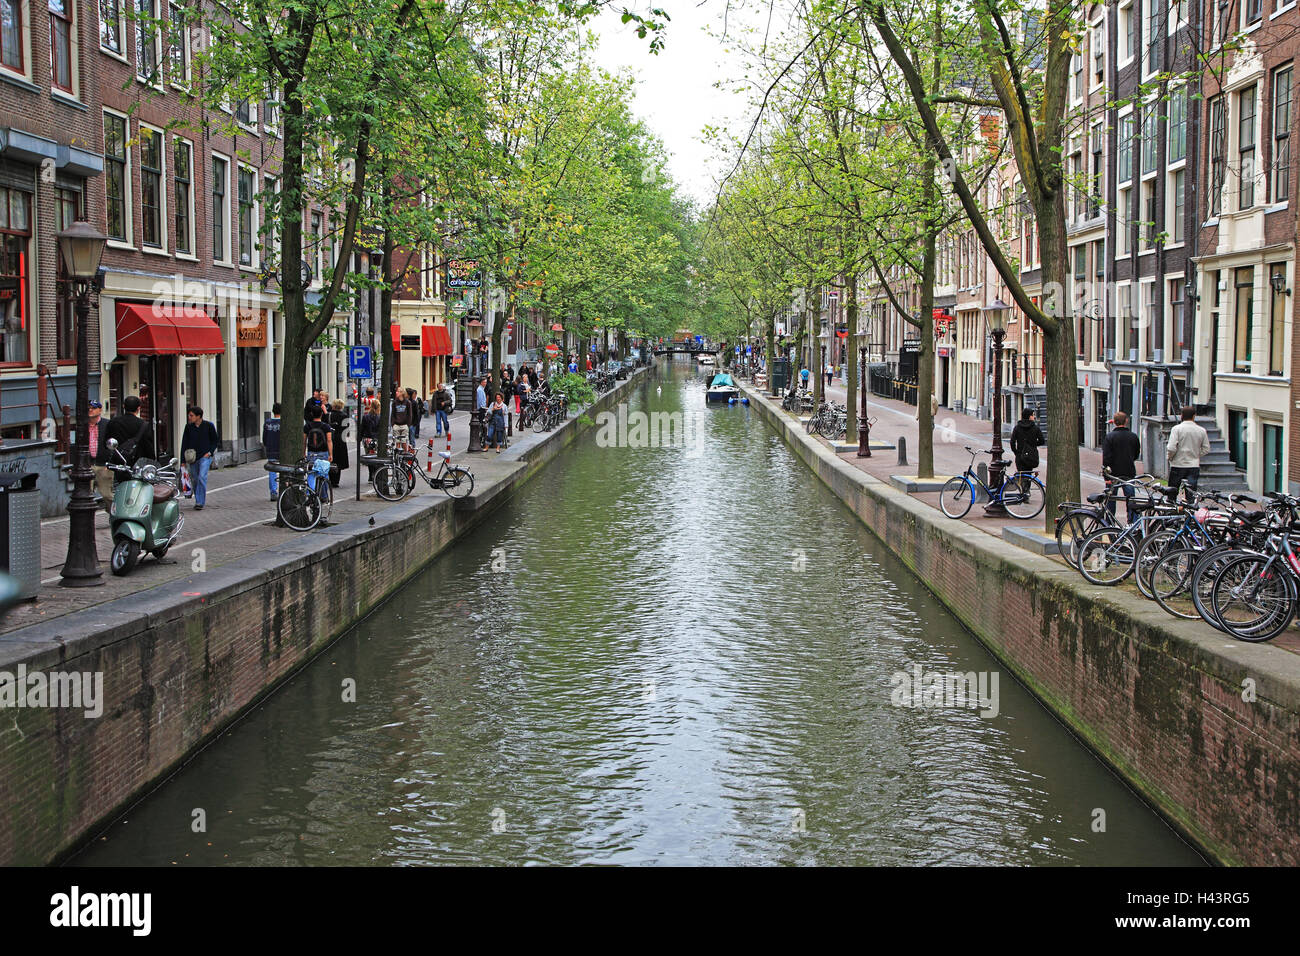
point(146, 515)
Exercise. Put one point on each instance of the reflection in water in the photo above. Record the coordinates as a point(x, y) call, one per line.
point(683, 658)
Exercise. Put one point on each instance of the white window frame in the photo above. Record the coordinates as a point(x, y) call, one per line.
point(193, 236)
point(157, 81)
point(1126, 14)
point(163, 182)
point(74, 53)
point(225, 259)
point(253, 116)
point(121, 28)
point(128, 187)
point(255, 254)
point(1179, 168)
point(1123, 221)
point(1098, 30)
point(1244, 25)
point(187, 54)
point(1148, 69)
point(1281, 8)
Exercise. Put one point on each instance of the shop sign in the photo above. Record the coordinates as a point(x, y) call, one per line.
point(250, 329)
point(463, 274)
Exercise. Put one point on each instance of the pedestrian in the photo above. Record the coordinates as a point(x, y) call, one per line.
point(134, 437)
point(319, 442)
point(313, 402)
point(98, 435)
point(480, 395)
point(271, 445)
point(442, 409)
point(199, 442)
point(370, 431)
point(1120, 452)
point(497, 423)
point(1025, 439)
point(1188, 442)
point(830, 373)
point(338, 422)
point(804, 375)
point(417, 412)
point(400, 417)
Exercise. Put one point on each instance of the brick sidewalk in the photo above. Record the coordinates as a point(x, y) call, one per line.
point(238, 520)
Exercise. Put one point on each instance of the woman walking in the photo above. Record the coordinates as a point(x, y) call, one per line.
point(338, 419)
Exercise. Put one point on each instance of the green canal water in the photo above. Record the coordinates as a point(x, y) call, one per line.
point(682, 655)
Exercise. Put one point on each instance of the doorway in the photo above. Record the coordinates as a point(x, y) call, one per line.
point(158, 401)
point(248, 389)
point(1272, 458)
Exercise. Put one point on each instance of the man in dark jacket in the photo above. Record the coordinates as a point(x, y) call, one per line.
point(201, 438)
point(271, 445)
point(1120, 452)
point(133, 434)
point(1025, 439)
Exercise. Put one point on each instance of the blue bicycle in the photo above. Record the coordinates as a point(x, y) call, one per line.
point(1021, 493)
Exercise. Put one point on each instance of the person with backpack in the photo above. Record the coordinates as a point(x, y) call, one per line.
point(1025, 439)
point(318, 439)
point(401, 417)
point(133, 434)
point(417, 412)
point(199, 442)
point(271, 445)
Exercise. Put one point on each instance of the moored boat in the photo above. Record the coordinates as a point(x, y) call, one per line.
point(721, 389)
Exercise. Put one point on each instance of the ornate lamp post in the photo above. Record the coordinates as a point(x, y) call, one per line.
point(996, 316)
point(81, 247)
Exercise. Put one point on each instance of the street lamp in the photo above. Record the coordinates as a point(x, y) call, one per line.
point(864, 428)
point(996, 316)
point(81, 247)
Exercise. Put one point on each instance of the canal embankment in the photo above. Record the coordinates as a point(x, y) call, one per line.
point(1205, 728)
point(177, 663)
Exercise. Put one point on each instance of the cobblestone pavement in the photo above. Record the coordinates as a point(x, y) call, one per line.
point(238, 520)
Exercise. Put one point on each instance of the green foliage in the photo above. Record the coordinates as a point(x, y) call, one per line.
point(575, 389)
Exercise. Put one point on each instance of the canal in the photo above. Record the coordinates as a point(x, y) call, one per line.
point(676, 655)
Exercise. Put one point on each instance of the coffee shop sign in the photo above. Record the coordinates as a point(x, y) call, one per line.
point(463, 274)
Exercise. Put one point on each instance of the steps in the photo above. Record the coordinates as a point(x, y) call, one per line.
point(1217, 469)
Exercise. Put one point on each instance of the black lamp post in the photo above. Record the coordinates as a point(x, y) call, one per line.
point(996, 315)
point(81, 247)
point(864, 428)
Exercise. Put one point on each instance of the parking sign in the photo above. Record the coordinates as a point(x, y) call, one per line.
point(359, 361)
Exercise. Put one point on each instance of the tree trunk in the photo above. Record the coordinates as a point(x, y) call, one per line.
point(1061, 371)
point(386, 337)
point(925, 361)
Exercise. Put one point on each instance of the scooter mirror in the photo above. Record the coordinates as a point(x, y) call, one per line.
point(112, 443)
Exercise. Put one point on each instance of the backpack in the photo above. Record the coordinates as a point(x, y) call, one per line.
point(316, 432)
point(128, 447)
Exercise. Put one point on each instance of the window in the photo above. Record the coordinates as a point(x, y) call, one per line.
point(247, 216)
point(1252, 10)
point(1277, 319)
point(1177, 316)
point(151, 188)
point(270, 220)
point(245, 113)
point(1098, 161)
point(15, 266)
point(1148, 214)
point(1128, 31)
point(1218, 158)
point(1177, 123)
point(1245, 319)
point(112, 28)
point(67, 210)
point(1149, 317)
point(182, 164)
point(1246, 148)
point(1282, 135)
point(178, 44)
point(220, 207)
point(117, 177)
point(1124, 311)
point(1177, 204)
point(1126, 130)
point(271, 113)
point(1076, 76)
point(11, 34)
point(146, 41)
point(61, 44)
point(1124, 222)
point(314, 244)
point(1098, 42)
point(1150, 61)
point(1149, 127)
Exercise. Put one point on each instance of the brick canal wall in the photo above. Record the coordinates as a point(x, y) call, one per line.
point(180, 662)
point(1160, 700)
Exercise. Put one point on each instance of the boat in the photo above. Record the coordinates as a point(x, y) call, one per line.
point(705, 359)
point(721, 389)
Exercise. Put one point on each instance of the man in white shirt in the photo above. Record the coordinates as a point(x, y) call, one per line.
point(1188, 441)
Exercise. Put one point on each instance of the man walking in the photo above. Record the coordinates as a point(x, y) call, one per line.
point(133, 434)
point(201, 438)
point(401, 417)
point(1188, 442)
point(480, 395)
point(98, 434)
point(417, 412)
point(441, 409)
point(1120, 452)
point(271, 444)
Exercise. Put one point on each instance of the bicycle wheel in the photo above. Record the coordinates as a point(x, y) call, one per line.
point(391, 483)
point(1023, 496)
point(1151, 550)
point(1171, 582)
point(1107, 556)
point(539, 421)
point(458, 482)
point(1252, 603)
point(1204, 573)
point(298, 507)
point(956, 496)
point(1072, 529)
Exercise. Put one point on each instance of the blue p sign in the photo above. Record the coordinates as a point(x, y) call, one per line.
point(359, 361)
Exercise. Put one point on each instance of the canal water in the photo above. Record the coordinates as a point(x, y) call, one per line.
point(673, 655)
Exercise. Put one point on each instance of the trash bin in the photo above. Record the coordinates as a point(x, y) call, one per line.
point(781, 374)
point(20, 529)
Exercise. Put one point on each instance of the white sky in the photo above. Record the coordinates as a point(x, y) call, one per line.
point(675, 92)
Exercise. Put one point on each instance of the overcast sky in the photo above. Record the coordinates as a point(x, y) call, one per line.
point(675, 92)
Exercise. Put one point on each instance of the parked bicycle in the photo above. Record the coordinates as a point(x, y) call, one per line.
point(1020, 492)
point(299, 505)
point(395, 479)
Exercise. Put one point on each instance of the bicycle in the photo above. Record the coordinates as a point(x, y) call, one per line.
point(1254, 595)
point(298, 505)
point(394, 480)
point(1079, 519)
point(1021, 493)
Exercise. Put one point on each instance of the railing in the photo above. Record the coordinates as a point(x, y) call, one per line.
point(887, 383)
point(58, 412)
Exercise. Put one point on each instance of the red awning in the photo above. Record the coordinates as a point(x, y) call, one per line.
point(166, 330)
point(397, 337)
point(434, 341)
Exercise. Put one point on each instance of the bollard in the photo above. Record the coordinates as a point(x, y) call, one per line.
point(510, 423)
point(428, 462)
point(902, 450)
point(476, 430)
point(982, 470)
